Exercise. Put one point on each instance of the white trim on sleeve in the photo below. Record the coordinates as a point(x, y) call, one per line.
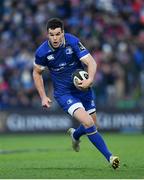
point(84, 56)
point(73, 107)
point(39, 66)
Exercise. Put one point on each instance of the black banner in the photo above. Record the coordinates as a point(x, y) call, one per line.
point(124, 121)
point(33, 121)
point(42, 121)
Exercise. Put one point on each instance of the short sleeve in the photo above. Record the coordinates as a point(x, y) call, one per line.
point(79, 49)
point(40, 61)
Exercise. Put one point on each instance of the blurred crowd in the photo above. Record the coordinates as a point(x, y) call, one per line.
point(112, 30)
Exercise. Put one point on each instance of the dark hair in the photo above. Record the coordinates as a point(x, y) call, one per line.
point(54, 23)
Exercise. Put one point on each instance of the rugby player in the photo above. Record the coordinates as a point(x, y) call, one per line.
point(63, 53)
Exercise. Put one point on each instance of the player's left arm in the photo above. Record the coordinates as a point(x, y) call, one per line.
point(85, 57)
point(90, 62)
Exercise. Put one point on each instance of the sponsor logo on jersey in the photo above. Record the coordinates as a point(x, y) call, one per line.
point(71, 64)
point(57, 69)
point(50, 57)
point(62, 64)
point(69, 50)
point(60, 67)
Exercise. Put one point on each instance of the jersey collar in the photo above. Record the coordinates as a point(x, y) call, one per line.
point(62, 45)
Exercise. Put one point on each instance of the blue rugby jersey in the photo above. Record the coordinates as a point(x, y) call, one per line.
point(62, 62)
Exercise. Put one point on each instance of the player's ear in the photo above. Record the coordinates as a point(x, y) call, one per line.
point(63, 31)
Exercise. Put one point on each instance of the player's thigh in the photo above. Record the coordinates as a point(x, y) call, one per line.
point(69, 103)
point(94, 117)
point(88, 102)
point(83, 117)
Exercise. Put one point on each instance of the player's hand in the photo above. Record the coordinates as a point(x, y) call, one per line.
point(46, 102)
point(84, 84)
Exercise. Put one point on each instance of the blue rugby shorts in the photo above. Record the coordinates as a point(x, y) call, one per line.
point(72, 101)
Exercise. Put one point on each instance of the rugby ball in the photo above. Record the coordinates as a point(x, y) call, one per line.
point(79, 74)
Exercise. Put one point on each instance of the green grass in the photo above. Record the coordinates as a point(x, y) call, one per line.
point(51, 157)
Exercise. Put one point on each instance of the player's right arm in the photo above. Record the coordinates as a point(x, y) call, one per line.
point(38, 80)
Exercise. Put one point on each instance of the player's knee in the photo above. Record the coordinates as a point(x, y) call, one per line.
point(88, 123)
point(83, 117)
point(95, 120)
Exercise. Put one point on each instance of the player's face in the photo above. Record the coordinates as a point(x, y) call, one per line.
point(56, 37)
